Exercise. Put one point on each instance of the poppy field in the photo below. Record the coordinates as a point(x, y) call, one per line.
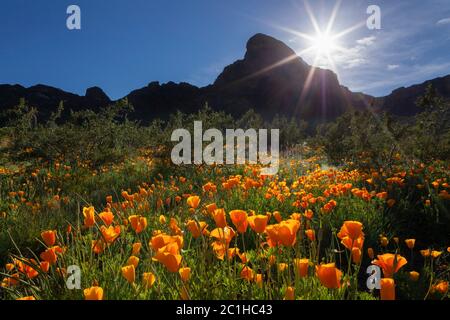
point(146, 229)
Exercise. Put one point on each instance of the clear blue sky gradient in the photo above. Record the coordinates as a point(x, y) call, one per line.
point(124, 45)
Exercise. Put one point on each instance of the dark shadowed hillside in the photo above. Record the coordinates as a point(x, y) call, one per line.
point(271, 79)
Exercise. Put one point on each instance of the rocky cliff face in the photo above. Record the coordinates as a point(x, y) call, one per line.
point(271, 79)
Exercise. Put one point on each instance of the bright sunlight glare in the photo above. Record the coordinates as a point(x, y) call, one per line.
point(324, 44)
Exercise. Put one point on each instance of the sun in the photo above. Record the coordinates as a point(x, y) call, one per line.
point(324, 44)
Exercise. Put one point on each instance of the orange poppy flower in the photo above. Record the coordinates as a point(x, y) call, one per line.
point(410, 243)
point(277, 216)
point(414, 275)
point(309, 214)
point(258, 223)
point(351, 229)
point(223, 235)
point(282, 267)
point(196, 229)
point(356, 255)
point(301, 267)
point(89, 216)
point(247, 273)
point(387, 291)
point(138, 223)
point(148, 279)
point(441, 287)
point(26, 267)
point(173, 225)
point(136, 248)
point(219, 217)
point(98, 246)
point(45, 266)
point(170, 260)
point(287, 232)
point(185, 274)
point(211, 207)
point(289, 294)
point(49, 237)
point(161, 240)
point(329, 275)
point(390, 263)
point(259, 280)
point(435, 253)
point(219, 249)
point(350, 244)
point(110, 234)
point(193, 201)
point(129, 273)
point(93, 293)
point(133, 260)
point(107, 217)
point(239, 219)
point(311, 234)
point(27, 298)
point(50, 255)
point(425, 253)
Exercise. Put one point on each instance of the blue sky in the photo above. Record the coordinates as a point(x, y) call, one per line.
point(124, 45)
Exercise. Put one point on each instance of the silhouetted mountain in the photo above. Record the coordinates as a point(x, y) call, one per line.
point(402, 100)
point(271, 79)
point(47, 99)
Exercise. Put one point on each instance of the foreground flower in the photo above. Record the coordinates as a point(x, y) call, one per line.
point(410, 243)
point(169, 258)
point(138, 223)
point(110, 234)
point(435, 254)
point(239, 219)
point(329, 275)
point(219, 217)
point(196, 228)
point(136, 249)
point(50, 255)
point(93, 293)
point(133, 260)
point(27, 298)
point(185, 274)
point(193, 201)
point(390, 263)
point(284, 233)
point(247, 273)
point(223, 238)
point(441, 287)
point(356, 255)
point(351, 229)
point(98, 246)
point(49, 237)
point(148, 279)
point(89, 216)
point(301, 267)
point(289, 294)
point(107, 217)
point(258, 223)
point(414, 275)
point(129, 273)
point(387, 291)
